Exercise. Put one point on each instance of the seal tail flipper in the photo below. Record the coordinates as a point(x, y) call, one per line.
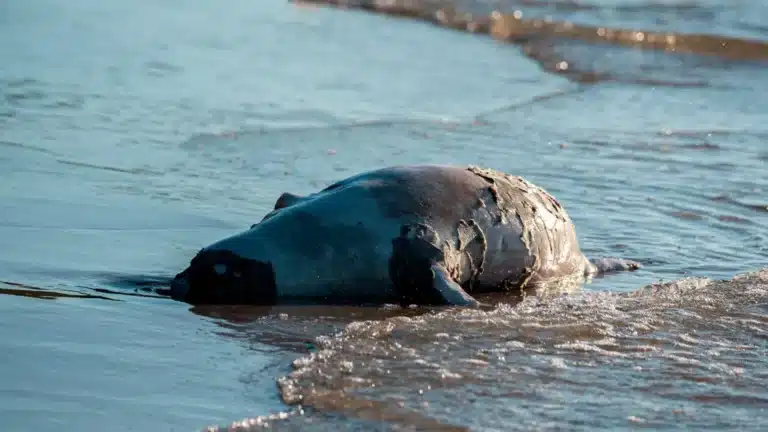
point(611, 265)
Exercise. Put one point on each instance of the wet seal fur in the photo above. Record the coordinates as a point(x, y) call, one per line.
point(425, 234)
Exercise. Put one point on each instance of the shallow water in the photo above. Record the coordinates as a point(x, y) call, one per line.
point(133, 133)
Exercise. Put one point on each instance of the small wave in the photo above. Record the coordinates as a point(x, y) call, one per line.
point(26, 290)
point(25, 147)
point(107, 168)
point(31, 93)
point(591, 351)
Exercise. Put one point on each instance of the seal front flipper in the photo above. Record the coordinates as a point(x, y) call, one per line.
point(449, 290)
point(417, 269)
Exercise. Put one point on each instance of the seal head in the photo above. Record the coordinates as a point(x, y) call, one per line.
point(223, 277)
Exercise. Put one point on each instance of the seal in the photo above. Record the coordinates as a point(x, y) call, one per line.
point(423, 234)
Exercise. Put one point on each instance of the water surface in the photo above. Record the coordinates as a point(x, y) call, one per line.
point(133, 133)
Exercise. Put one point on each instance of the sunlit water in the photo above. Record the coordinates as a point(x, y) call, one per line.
point(134, 133)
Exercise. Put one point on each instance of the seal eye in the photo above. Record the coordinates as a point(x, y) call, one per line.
point(220, 269)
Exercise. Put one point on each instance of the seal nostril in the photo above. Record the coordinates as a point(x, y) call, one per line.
point(179, 288)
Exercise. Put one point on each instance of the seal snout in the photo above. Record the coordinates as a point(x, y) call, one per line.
point(179, 287)
point(223, 277)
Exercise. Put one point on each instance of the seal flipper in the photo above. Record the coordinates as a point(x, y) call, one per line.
point(449, 290)
point(611, 265)
point(417, 270)
point(287, 199)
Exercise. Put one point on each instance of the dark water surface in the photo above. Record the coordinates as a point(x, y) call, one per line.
point(133, 133)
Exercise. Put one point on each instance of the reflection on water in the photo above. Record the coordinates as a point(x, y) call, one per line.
point(133, 133)
point(546, 41)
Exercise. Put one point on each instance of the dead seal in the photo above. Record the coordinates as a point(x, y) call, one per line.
point(426, 235)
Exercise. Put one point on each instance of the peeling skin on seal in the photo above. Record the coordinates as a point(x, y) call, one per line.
point(526, 237)
point(472, 245)
point(500, 219)
point(419, 246)
point(522, 212)
point(546, 230)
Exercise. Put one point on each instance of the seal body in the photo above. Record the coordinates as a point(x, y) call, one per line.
point(405, 234)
